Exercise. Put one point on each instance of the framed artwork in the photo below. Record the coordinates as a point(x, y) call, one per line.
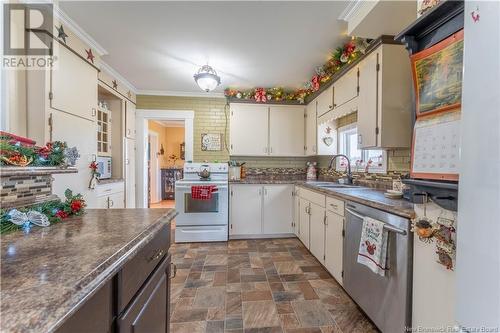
point(437, 75)
point(211, 142)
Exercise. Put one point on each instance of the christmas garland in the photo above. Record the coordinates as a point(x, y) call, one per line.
point(42, 214)
point(16, 152)
point(341, 57)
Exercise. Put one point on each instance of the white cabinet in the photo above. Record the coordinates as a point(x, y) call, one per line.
point(246, 210)
point(261, 210)
point(296, 213)
point(317, 231)
point(260, 130)
point(286, 130)
point(73, 85)
point(129, 120)
point(249, 130)
point(80, 133)
point(384, 103)
point(345, 88)
point(325, 101)
point(278, 209)
point(311, 128)
point(129, 172)
point(110, 196)
point(334, 243)
point(304, 221)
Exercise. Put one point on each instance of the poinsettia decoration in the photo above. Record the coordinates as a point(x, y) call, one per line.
point(341, 57)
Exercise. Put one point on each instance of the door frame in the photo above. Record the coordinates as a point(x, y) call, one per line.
point(142, 127)
point(155, 188)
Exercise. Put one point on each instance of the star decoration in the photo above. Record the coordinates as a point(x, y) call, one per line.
point(61, 34)
point(115, 84)
point(90, 56)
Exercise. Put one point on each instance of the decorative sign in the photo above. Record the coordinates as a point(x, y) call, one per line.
point(211, 142)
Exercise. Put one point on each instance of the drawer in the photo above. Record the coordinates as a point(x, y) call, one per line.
point(133, 274)
point(314, 197)
point(335, 205)
point(106, 189)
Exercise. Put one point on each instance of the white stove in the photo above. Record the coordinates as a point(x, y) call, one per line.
point(202, 220)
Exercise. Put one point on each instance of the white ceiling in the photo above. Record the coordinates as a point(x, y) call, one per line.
point(158, 46)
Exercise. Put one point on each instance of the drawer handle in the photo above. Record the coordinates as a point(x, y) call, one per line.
point(334, 206)
point(156, 256)
point(173, 268)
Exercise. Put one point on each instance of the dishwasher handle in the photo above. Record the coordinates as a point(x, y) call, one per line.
point(387, 226)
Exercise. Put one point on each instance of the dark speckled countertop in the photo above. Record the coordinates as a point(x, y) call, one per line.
point(48, 273)
point(364, 195)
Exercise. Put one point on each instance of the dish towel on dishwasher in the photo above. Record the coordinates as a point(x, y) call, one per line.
point(202, 192)
point(373, 246)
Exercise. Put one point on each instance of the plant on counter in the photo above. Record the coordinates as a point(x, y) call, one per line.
point(18, 151)
point(341, 57)
point(42, 214)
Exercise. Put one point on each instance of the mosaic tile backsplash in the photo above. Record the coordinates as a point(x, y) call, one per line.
point(22, 189)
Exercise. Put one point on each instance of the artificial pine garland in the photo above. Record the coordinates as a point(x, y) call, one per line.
point(15, 153)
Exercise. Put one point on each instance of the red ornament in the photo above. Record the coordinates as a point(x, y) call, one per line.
point(90, 55)
point(315, 82)
point(349, 48)
point(62, 214)
point(76, 205)
point(260, 95)
point(93, 166)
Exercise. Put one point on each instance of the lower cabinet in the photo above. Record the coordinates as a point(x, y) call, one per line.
point(317, 232)
point(296, 212)
point(334, 241)
point(110, 196)
point(261, 210)
point(304, 221)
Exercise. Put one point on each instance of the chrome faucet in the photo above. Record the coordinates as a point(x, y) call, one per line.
point(349, 173)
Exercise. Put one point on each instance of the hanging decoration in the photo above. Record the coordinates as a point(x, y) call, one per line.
point(61, 34)
point(115, 84)
point(43, 214)
point(21, 152)
point(94, 175)
point(341, 57)
point(90, 55)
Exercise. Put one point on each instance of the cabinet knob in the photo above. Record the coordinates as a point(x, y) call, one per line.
point(360, 139)
point(128, 131)
point(173, 268)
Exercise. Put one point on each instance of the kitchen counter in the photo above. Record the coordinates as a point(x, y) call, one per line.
point(110, 181)
point(364, 195)
point(47, 274)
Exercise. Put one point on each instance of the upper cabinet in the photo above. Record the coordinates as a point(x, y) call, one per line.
point(384, 103)
point(286, 130)
point(262, 130)
point(311, 118)
point(325, 101)
point(73, 85)
point(129, 120)
point(346, 88)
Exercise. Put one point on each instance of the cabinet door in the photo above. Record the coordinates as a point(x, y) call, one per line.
point(278, 209)
point(249, 130)
point(317, 232)
point(130, 120)
point(334, 244)
point(74, 86)
point(367, 105)
point(311, 128)
point(80, 133)
point(345, 88)
point(296, 213)
point(246, 210)
point(116, 200)
point(129, 173)
point(304, 222)
point(325, 101)
point(286, 131)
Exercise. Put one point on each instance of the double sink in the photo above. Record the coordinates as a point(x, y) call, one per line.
point(331, 185)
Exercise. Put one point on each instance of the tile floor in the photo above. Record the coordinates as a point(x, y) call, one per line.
point(258, 286)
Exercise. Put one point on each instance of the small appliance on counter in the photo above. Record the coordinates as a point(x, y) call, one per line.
point(236, 170)
point(104, 167)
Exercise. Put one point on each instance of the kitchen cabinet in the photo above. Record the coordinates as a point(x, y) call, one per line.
point(261, 210)
point(73, 85)
point(317, 231)
point(296, 212)
point(245, 210)
point(109, 196)
point(129, 173)
point(346, 88)
point(304, 221)
point(278, 209)
point(286, 130)
point(311, 129)
point(334, 243)
point(129, 120)
point(260, 130)
point(384, 103)
point(325, 101)
point(249, 130)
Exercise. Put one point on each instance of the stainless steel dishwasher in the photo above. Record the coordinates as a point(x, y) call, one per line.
point(385, 299)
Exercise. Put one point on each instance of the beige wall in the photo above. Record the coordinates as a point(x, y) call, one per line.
point(174, 137)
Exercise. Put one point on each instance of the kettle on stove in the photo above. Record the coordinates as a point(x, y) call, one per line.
point(204, 172)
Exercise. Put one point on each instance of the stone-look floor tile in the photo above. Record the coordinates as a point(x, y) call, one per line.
point(264, 330)
point(350, 319)
point(219, 279)
point(289, 320)
point(256, 295)
point(284, 307)
point(234, 331)
point(253, 278)
point(233, 287)
point(192, 327)
point(180, 316)
point(260, 314)
point(187, 292)
point(283, 296)
point(287, 267)
point(307, 290)
point(330, 329)
point(215, 326)
point(233, 323)
point(217, 259)
point(233, 276)
point(312, 313)
point(184, 303)
point(233, 304)
point(276, 286)
point(216, 314)
point(262, 286)
point(304, 330)
point(208, 297)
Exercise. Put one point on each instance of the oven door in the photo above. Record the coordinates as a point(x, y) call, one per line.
point(201, 212)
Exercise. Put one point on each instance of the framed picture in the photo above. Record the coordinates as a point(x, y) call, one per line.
point(437, 75)
point(211, 142)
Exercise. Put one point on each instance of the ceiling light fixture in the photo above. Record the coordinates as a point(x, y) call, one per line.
point(207, 78)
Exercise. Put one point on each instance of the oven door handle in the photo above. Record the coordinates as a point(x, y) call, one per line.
point(387, 226)
point(189, 187)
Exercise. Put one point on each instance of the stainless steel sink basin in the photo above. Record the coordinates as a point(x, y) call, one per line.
point(330, 184)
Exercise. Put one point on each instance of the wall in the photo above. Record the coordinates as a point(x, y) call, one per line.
point(174, 137)
point(162, 139)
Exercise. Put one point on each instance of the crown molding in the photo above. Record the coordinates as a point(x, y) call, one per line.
point(351, 10)
point(78, 31)
point(112, 72)
point(179, 93)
